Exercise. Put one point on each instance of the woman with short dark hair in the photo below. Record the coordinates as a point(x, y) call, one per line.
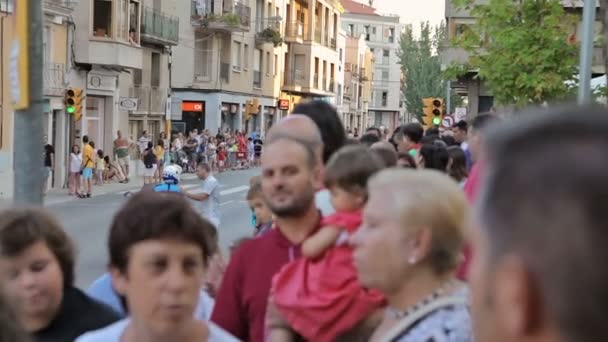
point(37, 261)
point(159, 249)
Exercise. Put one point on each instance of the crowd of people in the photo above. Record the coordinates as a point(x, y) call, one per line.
point(489, 231)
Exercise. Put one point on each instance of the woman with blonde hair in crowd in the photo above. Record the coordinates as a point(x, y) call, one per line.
point(409, 247)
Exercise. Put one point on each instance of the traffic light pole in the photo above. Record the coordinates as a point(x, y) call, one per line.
point(27, 133)
point(584, 90)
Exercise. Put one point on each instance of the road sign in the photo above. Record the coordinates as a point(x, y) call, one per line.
point(460, 113)
point(448, 121)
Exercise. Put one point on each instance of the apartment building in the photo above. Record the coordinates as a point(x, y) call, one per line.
point(381, 34)
point(229, 56)
point(480, 98)
point(56, 33)
point(357, 83)
point(313, 61)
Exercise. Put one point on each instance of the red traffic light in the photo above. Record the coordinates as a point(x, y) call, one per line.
point(436, 103)
point(70, 93)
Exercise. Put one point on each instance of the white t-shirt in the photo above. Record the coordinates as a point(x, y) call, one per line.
point(75, 162)
point(210, 208)
point(114, 332)
point(323, 202)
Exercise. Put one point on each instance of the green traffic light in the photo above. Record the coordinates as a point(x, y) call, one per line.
point(70, 109)
point(436, 121)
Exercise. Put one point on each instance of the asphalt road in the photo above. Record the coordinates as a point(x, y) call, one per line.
point(87, 221)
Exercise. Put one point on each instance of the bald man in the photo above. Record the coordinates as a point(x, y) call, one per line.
point(303, 128)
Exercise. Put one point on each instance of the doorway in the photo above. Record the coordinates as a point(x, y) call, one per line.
point(95, 115)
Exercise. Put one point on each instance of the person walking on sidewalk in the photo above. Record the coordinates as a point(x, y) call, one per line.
point(121, 153)
point(75, 164)
point(209, 198)
point(88, 158)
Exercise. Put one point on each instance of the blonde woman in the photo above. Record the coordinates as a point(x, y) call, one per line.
point(408, 247)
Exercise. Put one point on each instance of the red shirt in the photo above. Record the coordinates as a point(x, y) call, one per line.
point(240, 306)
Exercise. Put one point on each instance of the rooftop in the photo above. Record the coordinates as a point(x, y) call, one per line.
point(351, 6)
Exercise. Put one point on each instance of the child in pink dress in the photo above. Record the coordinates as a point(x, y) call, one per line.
point(319, 295)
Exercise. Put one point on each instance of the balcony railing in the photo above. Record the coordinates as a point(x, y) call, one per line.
point(257, 79)
point(235, 16)
point(318, 34)
point(54, 79)
point(324, 85)
point(225, 72)
point(332, 85)
point(203, 67)
point(295, 78)
point(268, 32)
point(333, 43)
point(158, 27)
point(315, 81)
point(295, 30)
point(151, 99)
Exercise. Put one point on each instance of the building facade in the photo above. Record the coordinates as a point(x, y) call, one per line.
point(357, 84)
point(479, 97)
point(230, 55)
point(381, 34)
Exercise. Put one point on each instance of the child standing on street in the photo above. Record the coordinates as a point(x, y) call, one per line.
point(100, 167)
point(262, 216)
point(319, 295)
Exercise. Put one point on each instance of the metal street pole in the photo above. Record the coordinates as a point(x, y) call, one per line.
point(448, 98)
point(584, 90)
point(27, 133)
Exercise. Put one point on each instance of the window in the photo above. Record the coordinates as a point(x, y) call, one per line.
point(102, 18)
point(374, 30)
point(7, 6)
point(46, 45)
point(123, 20)
point(385, 75)
point(276, 64)
point(384, 98)
point(351, 30)
point(155, 68)
point(246, 60)
point(257, 68)
point(236, 56)
point(386, 53)
point(268, 64)
point(134, 22)
point(341, 54)
point(391, 35)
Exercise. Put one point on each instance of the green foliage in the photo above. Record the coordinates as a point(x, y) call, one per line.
point(272, 35)
point(228, 18)
point(520, 49)
point(421, 66)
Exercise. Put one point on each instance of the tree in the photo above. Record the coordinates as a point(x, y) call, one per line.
point(421, 66)
point(521, 49)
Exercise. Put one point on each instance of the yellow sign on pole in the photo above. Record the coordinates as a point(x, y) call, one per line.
point(19, 59)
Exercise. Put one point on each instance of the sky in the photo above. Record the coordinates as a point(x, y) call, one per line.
point(412, 11)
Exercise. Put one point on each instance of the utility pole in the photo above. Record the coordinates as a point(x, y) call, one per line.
point(27, 132)
point(584, 90)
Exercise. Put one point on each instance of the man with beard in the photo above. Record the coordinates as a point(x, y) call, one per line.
point(290, 174)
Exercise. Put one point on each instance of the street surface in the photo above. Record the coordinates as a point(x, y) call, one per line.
point(87, 221)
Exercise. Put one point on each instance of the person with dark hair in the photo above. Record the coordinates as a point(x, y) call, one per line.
point(315, 310)
point(432, 131)
point(460, 131)
point(540, 240)
point(408, 138)
point(290, 174)
point(88, 163)
point(374, 131)
point(368, 139)
point(37, 260)
point(159, 248)
point(49, 162)
point(433, 156)
point(449, 140)
point(327, 120)
point(386, 152)
point(457, 165)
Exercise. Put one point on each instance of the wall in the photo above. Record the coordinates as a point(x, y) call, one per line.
point(6, 160)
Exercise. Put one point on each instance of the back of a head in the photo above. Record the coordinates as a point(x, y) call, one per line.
point(483, 121)
point(414, 131)
point(386, 151)
point(368, 139)
point(545, 185)
point(327, 120)
point(351, 167)
point(434, 131)
point(435, 157)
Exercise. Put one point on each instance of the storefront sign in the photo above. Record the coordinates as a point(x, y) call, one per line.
point(193, 107)
point(128, 103)
point(284, 104)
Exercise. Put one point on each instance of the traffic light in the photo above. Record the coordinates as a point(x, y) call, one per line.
point(255, 106)
point(73, 102)
point(427, 110)
point(248, 106)
point(437, 111)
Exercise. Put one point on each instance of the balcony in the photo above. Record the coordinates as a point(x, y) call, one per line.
point(332, 85)
point(54, 79)
point(269, 33)
point(159, 28)
point(234, 17)
point(324, 85)
point(295, 79)
point(294, 32)
point(151, 99)
point(257, 79)
point(315, 82)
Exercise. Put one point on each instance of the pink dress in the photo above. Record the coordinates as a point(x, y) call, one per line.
point(322, 298)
